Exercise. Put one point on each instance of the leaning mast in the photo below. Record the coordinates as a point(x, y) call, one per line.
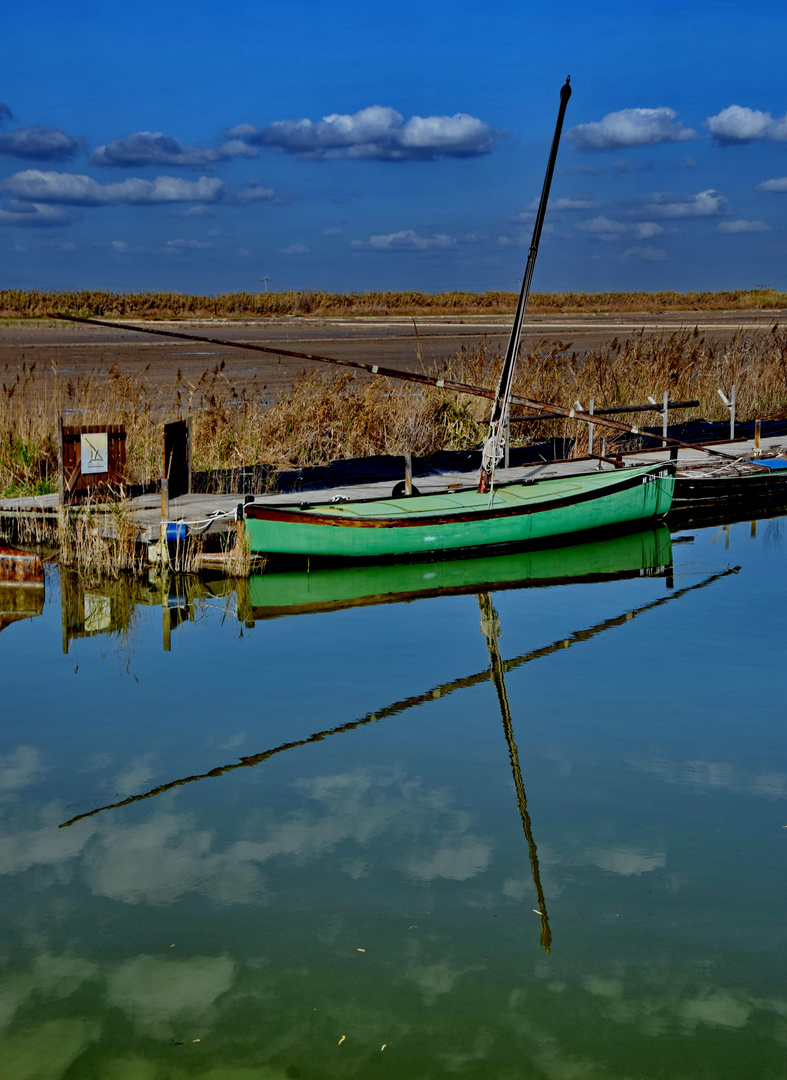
point(493, 447)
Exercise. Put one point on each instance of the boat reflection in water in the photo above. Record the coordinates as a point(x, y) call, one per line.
point(292, 592)
point(108, 607)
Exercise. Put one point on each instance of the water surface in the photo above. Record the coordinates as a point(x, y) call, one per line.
point(392, 898)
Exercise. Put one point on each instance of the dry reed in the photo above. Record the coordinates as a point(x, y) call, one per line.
point(336, 415)
point(17, 303)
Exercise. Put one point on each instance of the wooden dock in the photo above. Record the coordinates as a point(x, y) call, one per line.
point(208, 515)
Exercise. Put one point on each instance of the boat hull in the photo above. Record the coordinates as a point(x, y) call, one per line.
point(695, 489)
point(462, 520)
point(645, 553)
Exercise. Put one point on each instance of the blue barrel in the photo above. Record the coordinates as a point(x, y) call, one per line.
point(176, 531)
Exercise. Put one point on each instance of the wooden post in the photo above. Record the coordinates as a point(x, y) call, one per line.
point(591, 427)
point(408, 474)
point(665, 417)
point(732, 413)
point(188, 451)
point(506, 455)
point(167, 625)
point(164, 503)
point(61, 482)
point(757, 424)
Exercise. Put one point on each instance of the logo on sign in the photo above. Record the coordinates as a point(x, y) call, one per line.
point(95, 452)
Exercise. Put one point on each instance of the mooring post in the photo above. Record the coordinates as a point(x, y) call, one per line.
point(732, 413)
point(61, 482)
point(591, 427)
point(757, 434)
point(665, 417)
point(408, 474)
point(164, 502)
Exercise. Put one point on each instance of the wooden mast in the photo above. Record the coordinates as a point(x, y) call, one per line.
point(493, 447)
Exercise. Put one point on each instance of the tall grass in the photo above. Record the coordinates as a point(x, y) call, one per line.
point(17, 303)
point(334, 415)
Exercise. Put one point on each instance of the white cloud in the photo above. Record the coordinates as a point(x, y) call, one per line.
point(631, 127)
point(178, 247)
point(19, 769)
point(154, 148)
point(737, 124)
point(155, 993)
point(33, 215)
point(779, 184)
point(574, 204)
point(199, 211)
point(646, 254)
point(406, 240)
point(604, 228)
point(43, 143)
point(378, 132)
point(57, 187)
point(257, 193)
point(628, 860)
point(741, 226)
point(295, 249)
point(79, 190)
point(704, 204)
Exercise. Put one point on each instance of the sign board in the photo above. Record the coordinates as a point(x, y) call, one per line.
point(91, 462)
point(94, 452)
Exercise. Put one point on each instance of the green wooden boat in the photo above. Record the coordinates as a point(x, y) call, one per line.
point(461, 521)
point(295, 592)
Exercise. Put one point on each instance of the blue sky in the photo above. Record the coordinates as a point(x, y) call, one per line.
point(202, 147)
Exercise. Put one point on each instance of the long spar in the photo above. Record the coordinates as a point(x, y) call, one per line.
point(493, 447)
point(392, 373)
point(425, 698)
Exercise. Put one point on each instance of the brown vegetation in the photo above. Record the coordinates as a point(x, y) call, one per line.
point(333, 416)
point(16, 303)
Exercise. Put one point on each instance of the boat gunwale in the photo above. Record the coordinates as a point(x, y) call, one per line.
point(311, 516)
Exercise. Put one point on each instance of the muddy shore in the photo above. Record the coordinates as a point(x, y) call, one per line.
point(398, 342)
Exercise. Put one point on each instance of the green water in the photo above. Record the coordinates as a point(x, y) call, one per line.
point(363, 904)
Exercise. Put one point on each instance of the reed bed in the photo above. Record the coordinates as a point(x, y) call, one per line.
point(16, 303)
point(336, 415)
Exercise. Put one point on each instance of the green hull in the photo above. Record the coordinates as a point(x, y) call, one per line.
point(294, 592)
point(451, 521)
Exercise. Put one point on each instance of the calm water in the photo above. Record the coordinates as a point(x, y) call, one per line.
point(378, 901)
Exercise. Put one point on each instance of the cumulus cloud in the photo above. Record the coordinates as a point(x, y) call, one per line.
point(406, 240)
point(377, 132)
point(71, 188)
point(604, 228)
point(295, 249)
point(778, 184)
point(154, 148)
point(631, 127)
point(737, 124)
point(742, 226)
point(39, 144)
point(704, 204)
